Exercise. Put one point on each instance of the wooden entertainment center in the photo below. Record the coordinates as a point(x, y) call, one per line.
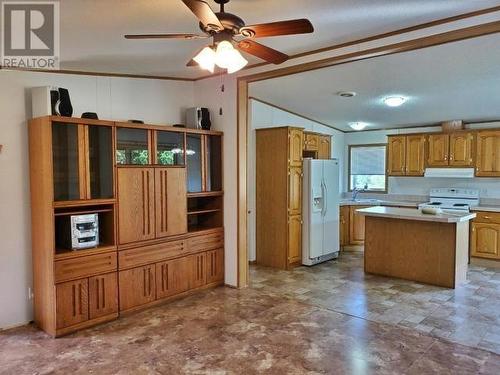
point(157, 193)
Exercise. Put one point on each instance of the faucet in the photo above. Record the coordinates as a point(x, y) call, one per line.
point(356, 191)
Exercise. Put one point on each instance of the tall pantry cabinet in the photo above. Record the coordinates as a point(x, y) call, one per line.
point(279, 196)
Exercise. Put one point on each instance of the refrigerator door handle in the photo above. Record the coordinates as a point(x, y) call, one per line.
point(323, 194)
point(325, 198)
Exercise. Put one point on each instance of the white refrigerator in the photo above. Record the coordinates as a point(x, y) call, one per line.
point(321, 198)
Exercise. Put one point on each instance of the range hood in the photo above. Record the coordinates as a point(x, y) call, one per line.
point(450, 172)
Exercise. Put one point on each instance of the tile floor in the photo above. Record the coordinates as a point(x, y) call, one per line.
point(468, 315)
point(282, 325)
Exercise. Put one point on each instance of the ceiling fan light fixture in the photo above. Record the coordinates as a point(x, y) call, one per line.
point(229, 58)
point(206, 59)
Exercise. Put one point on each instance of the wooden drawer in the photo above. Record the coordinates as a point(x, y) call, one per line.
point(487, 217)
point(91, 265)
point(151, 254)
point(206, 242)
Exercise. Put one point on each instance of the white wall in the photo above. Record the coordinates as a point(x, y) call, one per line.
point(112, 98)
point(489, 187)
point(266, 116)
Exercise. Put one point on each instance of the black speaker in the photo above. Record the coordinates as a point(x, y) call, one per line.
point(63, 105)
point(205, 119)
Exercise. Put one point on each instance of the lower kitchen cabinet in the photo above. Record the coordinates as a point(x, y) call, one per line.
point(356, 226)
point(72, 303)
point(137, 286)
point(344, 225)
point(294, 239)
point(171, 277)
point(215, 266)
point(103, 295)
point(485, 240)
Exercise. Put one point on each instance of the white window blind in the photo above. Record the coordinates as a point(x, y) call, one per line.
point(368, 160)
point(367, 168)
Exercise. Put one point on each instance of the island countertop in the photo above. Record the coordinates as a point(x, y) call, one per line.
point(412, 214)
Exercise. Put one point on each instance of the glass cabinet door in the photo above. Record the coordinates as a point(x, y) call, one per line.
point(65, 161)
point(100, 162)
point(132, 146)
point(169, 148)
point(194, 163)
point(214, 163)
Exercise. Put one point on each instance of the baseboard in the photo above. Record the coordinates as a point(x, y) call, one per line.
point(482, 262)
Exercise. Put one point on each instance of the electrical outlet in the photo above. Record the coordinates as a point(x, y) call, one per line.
point(30, 293)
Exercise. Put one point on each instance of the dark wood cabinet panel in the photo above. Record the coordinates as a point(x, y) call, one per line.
point(172, 277)
point(198, 276)
point(136, 210)
point(103, 295)
point(72, 303)
point(215, 265)
point(137, 286)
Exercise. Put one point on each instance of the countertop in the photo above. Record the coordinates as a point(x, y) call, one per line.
point(378, 202)
point(486, 207)
point(410, 214)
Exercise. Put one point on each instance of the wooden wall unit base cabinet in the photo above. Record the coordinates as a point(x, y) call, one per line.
point(170, 273)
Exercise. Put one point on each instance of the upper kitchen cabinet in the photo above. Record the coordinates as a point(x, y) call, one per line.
point(396, 156)
point(170, 150)
point(133, 146)
point(488, 154)
point(82, 161)
point(439, 149)
point(453, 150)
point(204, 163)
point(324, 149)
point(461, 149)
point(415, 155)
point(311, 141)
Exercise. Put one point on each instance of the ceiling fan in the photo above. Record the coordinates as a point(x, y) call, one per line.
point(226, 28)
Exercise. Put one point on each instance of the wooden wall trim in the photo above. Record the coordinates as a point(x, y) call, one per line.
point(242, 150)
point(406, 46)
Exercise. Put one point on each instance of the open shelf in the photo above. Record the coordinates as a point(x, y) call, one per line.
point(201, 212)
point(205, 194)
point(62, 229)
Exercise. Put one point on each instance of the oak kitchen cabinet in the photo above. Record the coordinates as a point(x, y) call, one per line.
point(279, 204)
point(488, 153)
point(485, 235)
point(356, 226)
point(406, 155)
point(344, 225)
point(324, 149)
point(455, 149)
point(311, 141)
point(396, 155)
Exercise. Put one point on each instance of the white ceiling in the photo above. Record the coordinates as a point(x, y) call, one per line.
point(459, 80)
point(92, 30)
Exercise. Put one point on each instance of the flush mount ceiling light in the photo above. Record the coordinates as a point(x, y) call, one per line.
point(394, 101)
point(346, 94)
point(358, 125)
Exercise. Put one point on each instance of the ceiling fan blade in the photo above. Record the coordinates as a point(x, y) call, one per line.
point(262, 52)
point(299, 26)
point(165, 36)
point(205, 14)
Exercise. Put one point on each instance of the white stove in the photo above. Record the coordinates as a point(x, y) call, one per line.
point(451, 199)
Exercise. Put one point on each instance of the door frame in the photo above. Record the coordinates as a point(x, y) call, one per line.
point(242, 99)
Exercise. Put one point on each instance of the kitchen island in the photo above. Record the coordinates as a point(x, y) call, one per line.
point(407, 244)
